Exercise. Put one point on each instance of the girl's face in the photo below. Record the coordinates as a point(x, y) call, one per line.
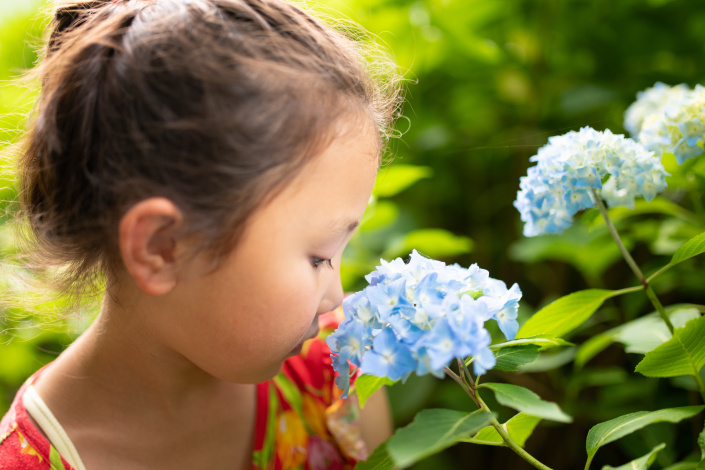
point(240, 322)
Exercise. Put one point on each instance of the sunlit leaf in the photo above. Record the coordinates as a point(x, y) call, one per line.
point(689, 249)
point(366, 385)
point(692, 247)
point(683, 466)
point(610, 431)
point(509, 358)
point(565, 314)
point(684, 354)
point(638, 336)
point(431, 432)
point(524, 400)
point(642, 463)
point(432, 242)
point(647, 333)
point(379, 214)
point(549, 361)
point(396, 178)
point(519, 428)
point(542, 341)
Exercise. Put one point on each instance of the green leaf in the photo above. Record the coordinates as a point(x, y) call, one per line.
point(431, 432)
point(565, 314)
point(701, 444)
point(590, 252)
point(366, 385)
point(657, 205)
point(552, 360)
point(684, 354)
point(379, 459)
point(682, 466)
point(396, 178)
point(431, 242)
point(642, 463)
point(647, 333)
point(692, 247)
point(523, 399)
point(519, 428)
point(379, 214)
point(638, 336)
point(542, 341)
point(687, 250)
point(592, 347)
point(609, 431)
point(509, 358)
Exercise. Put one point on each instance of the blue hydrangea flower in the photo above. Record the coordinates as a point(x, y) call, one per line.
point(678, 126)
point(652, 100)
point(418, 317)
point(570, 166)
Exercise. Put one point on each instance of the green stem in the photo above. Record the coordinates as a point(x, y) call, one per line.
point(644, 282)
point(656, 303)
point(470, 440)
point(509, 441)
point(613, 231)
point(658, 273)
point(630, 261)
point(469, 389)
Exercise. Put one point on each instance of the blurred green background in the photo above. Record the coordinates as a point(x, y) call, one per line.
point(488, 82)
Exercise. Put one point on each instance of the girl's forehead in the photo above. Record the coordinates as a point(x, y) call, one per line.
point(336, 179)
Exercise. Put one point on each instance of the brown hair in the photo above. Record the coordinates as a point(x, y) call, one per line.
point(213, 104)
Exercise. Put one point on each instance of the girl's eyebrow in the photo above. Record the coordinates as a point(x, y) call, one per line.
point(350, 227)
point(345, 227)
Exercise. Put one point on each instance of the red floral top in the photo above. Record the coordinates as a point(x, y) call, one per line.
point(302, 423)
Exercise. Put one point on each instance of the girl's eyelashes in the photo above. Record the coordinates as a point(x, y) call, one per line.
point(318, 262)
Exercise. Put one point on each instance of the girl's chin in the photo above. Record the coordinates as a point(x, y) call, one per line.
point(312, 333)
point(296, 351)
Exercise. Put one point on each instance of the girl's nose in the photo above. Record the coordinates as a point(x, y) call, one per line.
point(333, 296)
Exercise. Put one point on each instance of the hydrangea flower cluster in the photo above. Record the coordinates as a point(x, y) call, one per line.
point(650, 101)
point(418, 317)
point(571, 165)
point(678, 126)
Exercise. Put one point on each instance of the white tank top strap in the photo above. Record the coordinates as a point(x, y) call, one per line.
point(56, 434)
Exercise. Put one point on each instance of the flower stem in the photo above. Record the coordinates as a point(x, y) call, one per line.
point(469, 388)
point(644, 282)
point(630, 261)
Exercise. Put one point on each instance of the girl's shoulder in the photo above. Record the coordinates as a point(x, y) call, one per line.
point(301, 420)
point(22, 445)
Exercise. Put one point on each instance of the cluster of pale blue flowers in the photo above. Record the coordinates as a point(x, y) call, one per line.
point(570, 166)
point(650, 101)
point(669, 120)
point(418, 317)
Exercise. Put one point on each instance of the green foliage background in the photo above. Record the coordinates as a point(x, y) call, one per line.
point(489, 82)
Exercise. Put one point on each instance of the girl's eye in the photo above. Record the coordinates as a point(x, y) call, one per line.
point(318, 262)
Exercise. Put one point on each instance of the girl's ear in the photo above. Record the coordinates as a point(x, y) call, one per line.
point(148, 244)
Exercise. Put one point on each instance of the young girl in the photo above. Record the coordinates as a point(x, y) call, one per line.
point(207, 161)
